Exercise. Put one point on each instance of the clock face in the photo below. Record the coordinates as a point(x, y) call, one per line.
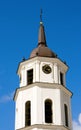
point(46, 69)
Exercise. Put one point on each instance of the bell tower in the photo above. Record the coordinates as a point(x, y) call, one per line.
point(42, 101)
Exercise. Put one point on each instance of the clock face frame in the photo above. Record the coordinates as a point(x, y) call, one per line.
point(46, 69)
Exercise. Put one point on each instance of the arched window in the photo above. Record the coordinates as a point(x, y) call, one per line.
point(48, 111)
point(66, 114)
point(28, 113)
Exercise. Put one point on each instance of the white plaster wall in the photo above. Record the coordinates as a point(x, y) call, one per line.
point(24, 96)
point(46, 77)
point(23, 73)
point(56, 73)
point(18, 115)
point(65, 99)
point(37, 96)
point(39, 75)
point(54, 95)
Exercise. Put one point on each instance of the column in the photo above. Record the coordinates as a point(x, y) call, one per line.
point(56, 73)
point(37, 71)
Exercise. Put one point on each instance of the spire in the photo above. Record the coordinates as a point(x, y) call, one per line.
point(41, 36)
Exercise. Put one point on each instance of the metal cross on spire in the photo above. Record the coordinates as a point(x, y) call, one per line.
point(41, 15)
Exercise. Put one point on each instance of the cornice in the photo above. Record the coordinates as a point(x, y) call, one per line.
point(43, 59)
point(43, 85)
point(45, 126)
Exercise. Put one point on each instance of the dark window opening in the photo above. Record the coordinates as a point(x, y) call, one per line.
point(28, 113)
point(66, 114)
point(61, 78)
point(48, 111)
point(20, 78)
point(30, 76)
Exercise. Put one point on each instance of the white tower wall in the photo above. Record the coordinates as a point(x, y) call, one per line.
point(45, 86)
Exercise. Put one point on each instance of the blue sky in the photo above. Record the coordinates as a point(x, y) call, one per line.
point(19, 23)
